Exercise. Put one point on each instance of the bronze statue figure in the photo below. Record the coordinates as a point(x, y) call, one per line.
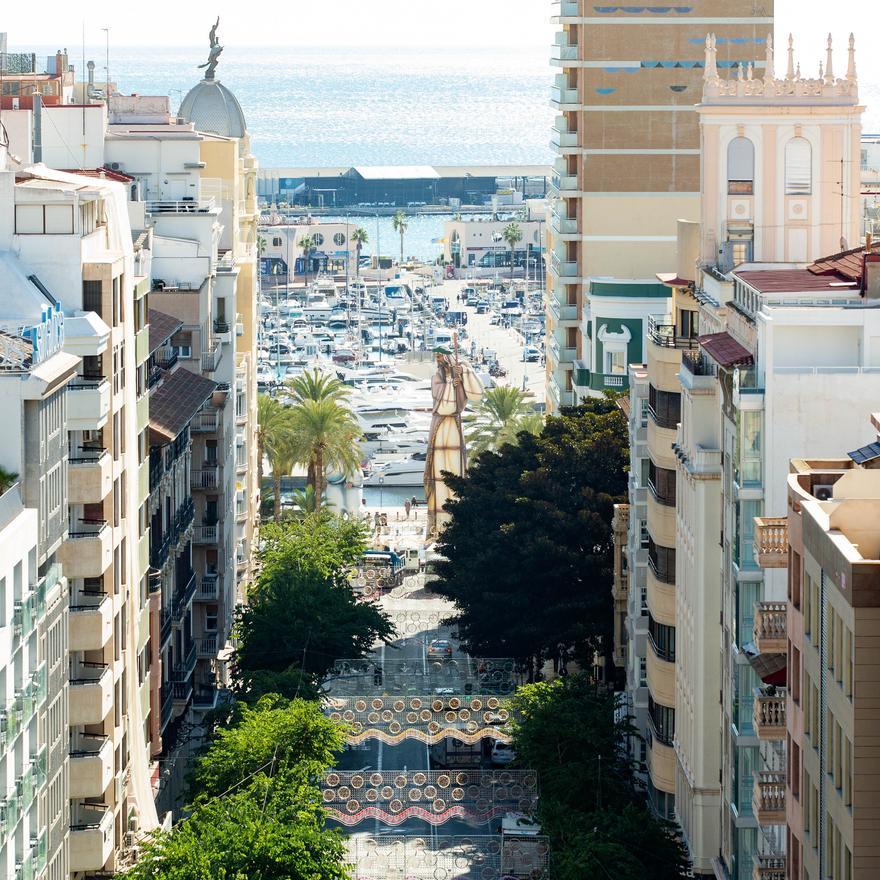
point(213, 53)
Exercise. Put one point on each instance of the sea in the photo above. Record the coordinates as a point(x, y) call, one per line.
point(365, 106)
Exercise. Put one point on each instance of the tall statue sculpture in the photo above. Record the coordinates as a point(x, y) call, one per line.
point(452, 386)
point(213, 52)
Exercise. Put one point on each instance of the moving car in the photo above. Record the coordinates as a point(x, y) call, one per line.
point(502, 752)
point(440, 649)
point(531, 354)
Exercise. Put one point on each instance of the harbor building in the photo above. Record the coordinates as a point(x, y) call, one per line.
point(478, 243)
point(280, 247)
point(628, 145)
point(34, 738)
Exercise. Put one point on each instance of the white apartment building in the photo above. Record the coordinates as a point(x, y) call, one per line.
point(34, 372)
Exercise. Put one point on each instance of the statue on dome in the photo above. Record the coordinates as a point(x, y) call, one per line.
point(213, 52)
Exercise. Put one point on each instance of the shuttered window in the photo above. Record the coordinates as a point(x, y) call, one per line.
point(798, 167)
point(740, 166)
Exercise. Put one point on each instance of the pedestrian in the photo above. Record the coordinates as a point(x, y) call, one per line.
point(406, 506)
point(415, 502)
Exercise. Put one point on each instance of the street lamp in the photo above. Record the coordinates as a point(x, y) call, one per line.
point(496, 240)
point(381, 489)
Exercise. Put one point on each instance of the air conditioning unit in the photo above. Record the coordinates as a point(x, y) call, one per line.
point(114, 166)
point(823, 491)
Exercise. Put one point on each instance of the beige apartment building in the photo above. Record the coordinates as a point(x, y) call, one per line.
point(627, 141)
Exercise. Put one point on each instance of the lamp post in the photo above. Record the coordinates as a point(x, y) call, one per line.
point(381, 490)
point(496, 238)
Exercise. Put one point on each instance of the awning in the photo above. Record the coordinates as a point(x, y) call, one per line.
point(176, 401)
point(671, 279)
point(162, 328)
point(724, 349)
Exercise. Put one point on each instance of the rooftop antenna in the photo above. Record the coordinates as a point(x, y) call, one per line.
point(107, 64)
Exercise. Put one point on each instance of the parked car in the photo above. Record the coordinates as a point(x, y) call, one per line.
point(440, 649)
point(531, 354)
point(502, 752)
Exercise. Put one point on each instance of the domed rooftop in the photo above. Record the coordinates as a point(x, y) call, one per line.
point(211, 107)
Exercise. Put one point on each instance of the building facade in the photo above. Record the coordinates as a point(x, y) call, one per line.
point(627, 142)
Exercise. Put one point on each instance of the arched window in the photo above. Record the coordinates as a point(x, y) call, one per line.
point(741, 167)
point(798, 167)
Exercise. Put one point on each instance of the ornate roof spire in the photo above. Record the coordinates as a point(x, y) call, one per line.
point(789, 73)
point(851, 65)
point(710, 69)
point(829, 63)
point(769, 72)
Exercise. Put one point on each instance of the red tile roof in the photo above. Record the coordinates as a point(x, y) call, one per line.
point(102, 173)
point(795, 281)
point(724, 349)
point(847, 264)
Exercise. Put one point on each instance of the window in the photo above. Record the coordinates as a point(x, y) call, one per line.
point(318, 239)
point(798, 167)
point(646, 472)
point(662, 639)
point(276, 241)
point(643, 672)
point(644, 409)
point(339, 239)
point(661, 481)
point(615, 361)
point(665, 407)
point(662, 721)
point(662, 561)
point(740, 167)
point(644, 537)
point(211, 618)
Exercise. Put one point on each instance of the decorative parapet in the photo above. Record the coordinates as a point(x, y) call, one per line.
point(826, 88)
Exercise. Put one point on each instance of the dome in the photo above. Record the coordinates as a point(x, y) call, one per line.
point(211, 107)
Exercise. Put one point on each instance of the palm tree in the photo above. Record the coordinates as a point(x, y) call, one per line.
point(513, 236)
point(502, 413)
point(274, 440)
point(315, 385)
point(307, 502)
point(7, 479)
point(328, 436)
point(307, 243)
point(360, 238)
point(399, 222)
point(284, 455)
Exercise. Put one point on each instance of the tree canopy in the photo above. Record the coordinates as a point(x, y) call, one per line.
point(302, 614)
point(528, 551)
point(591, 807)
point(257, 814)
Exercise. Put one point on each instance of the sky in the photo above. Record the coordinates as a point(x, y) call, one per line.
point(411, 23)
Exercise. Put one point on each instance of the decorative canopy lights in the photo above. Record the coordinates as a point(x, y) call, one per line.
point(393, 796)
point(425, 719)
point(448, 858)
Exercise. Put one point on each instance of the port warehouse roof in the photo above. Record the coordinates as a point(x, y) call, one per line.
point(409, 172)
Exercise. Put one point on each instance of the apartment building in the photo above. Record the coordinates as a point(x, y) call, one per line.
point(73, 232)
point(824, 797)
point(628, 146)
point(34, 373)
point(636, 686)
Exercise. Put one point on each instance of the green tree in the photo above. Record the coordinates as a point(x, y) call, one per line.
point(277, 442)
point(315, 385)
point(400, 224)
point(360, 238)
point(302, 614)
point(7, 479)
point(513, 235)
point(273, 830)
point(271, 737)
point(329, 434)
point(528, 550)
point(571, 732)
point(307, 244)
point(499, 416)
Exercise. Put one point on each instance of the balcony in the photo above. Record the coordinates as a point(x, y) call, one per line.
point(206, 534)
point(564, 225)
point(180, 206)
point(88, 404)
point(565, 98)
point(183, 599)
point(91, 693)
point(566, 183)
point(206, 421)
point(89, 475)
point(167, 705)
point(205, 478)
point(562, 139)
point(564, 268)
point(768, 867)
point(770, 628)
point(610, 381)
point(166, 357)
point(769, 713)
point(88, 550)
point(205, 697)
point(208, 588)
point(184, 669)
point(665, 336)
point(211, 359)
point(91, 621)
point(222, 332)
point(768, 799)
point(91, 838)
point(771, 541)
point(208, 647)
point(91, 766)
